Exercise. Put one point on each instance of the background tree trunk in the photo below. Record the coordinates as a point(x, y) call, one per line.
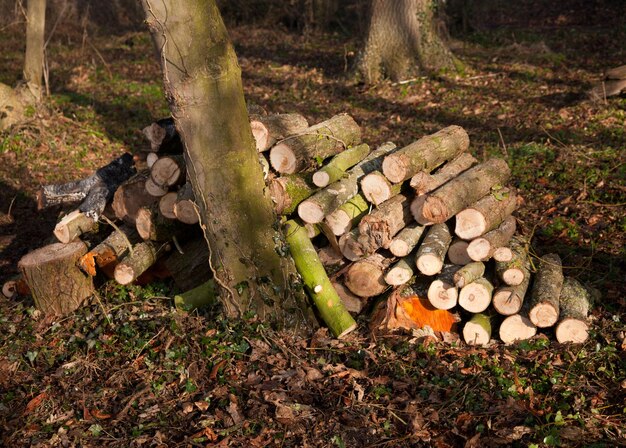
point(33, 63)
point(204, 90)
point(402, 39)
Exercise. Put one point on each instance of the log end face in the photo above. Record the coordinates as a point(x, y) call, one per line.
point(261, 135)
point(543, 315)
point(339, 222)
point(321, 179)
point(457, 253)
point(474, 298)
point(516, 328)
point(506, 302)
point(434, 210)
point(478, 249)
point(513, 277)
point(575, 331)
point(283, 159)
point(393, 168)
point(442, 295)
point(429, 264)
point(503, 254)
point(474, 334)
point(399, 248)
point(470, 224)
point(123, 274)
point(310, 212)
point(52, 253)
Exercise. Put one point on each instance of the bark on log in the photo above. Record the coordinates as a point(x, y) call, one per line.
point(348, 215)
point(316, 282)
point(168, 171)
point(477, 331)
point(326, 201)
point(56, 284)
point(152, 225)
point(607, 88)
point(401, 272)
point(350, 246)
point(574, 305)
point(106, 254)
point(190, 268)
point(143, 256)
point(616, 72)
point(483, 248)
point(377, 229)
point(95, 191)
point(288, 191)
point(331, 259)
point(457, 252)
point(185, 209)
point(200, 296)
point(465, 189)
point(431, 253)
point(406, 240)
point(163, 137)
point(73, 225)
point(377, 189)
point(130, 197)
point(517, 327)
point(353, 303)
point(424, 182)
point(365, 278)
point(468, 273)
point(315, 143)
point(508, 300)
point(268, 129)
point(486, 214)
point(475, 297)
point(517, 270)
point(339, 165)
point(442, 292)
point(166, 204)
point(544, 299)
point(426, 153)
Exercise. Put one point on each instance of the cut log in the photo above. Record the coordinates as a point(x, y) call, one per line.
point(442, 292)
point(198, 297)
point(130, 197)
point(377, 229)
point(465, 189)
point(432, 251)
point(616, 73)
point(290, 190)
point(426, 153)
point(316, 143)
point(185, 208)
point(106, 254)
point(544, 299)
point(468, 273)
point(475, 297)
point(365, 278)
point(168, 171)
point(424, 182)
point(316, 282)
point(516, 328)
point(350, 246)
point(152, 225)
point(339, 164)
point(457, 252)
point(331, 259)
point(508, 300)
point(353, 304)
point(406, 240)
point(574, 305)
point(483, 248)
point(151, 158)
point(190, 268)
point(166, 204)
point(605, 89)
point(73, 225)
point(143, 256)
point(348, 215)
point(163, 137)
point(95, 191)
point(517, 269)
point(503, 254)
point(56, 284)
point(15, 288)
point(268, 129)
point(155, 190)
point(486, 214)
point(401, 272)
point(477, 331)
point(377, 189)
point(326, 201)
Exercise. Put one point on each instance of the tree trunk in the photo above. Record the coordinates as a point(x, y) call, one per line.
point(203, 84)
point(403, 38)
point(33, 63)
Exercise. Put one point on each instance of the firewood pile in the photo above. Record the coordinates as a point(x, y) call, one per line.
point(421, 235)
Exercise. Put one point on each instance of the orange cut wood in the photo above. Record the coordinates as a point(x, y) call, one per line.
point(422, 314)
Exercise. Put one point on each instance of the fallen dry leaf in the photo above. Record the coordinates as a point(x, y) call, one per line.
point(34, 403)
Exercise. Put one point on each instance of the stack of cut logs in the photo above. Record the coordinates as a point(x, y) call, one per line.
point(424, 228)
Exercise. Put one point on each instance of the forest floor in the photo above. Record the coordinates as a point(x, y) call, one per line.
point(129, 369)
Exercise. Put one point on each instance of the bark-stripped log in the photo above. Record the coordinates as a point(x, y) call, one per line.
point(517, 327)
point(130, 197)
point(168, 171)
point(508, 300)
point(268, 129)
point(106, 254)
point(185, 209)
point(484, 247)
point(406, 240)
point(475, 297)
point(55, 282)
point(339, 164)
point(468, 273)
point(477, 331)
point(377, 229)
point(424, 182)
point(442, 293)
point(73, 225)
point(574, 304)
point(426, 153)
point(330, 137)
point(432, 251)
point(288, 191)
point(365, 278)
point(401, 272)
point(316, 282)
point(377, 189)
point(544, 299)
point(465, 189)
point(163, 137)
point(486, 214)
point(151, 158)
point(135, 263)
point(457, 252)
point(347, 216)
point(326, 201)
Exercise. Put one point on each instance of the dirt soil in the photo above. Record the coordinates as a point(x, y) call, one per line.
point(129, 369)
